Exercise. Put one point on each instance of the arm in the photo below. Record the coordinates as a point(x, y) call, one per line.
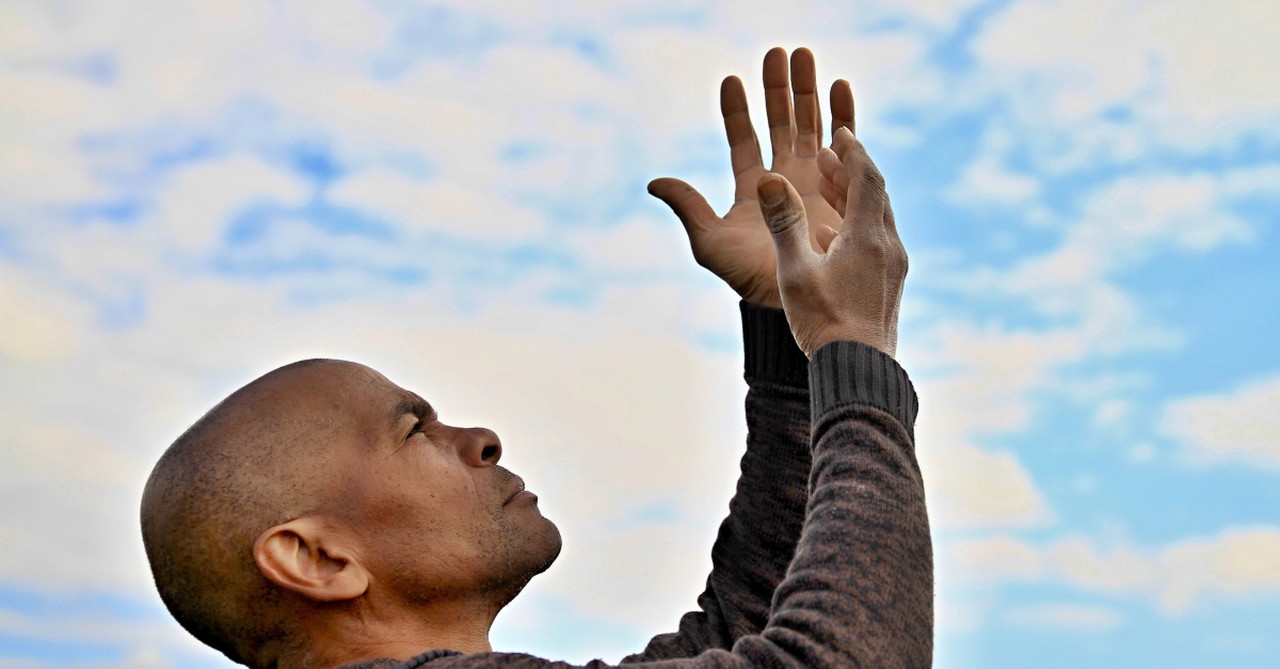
point(859, 591)
point(757, 540)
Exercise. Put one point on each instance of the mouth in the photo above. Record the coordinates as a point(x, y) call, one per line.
point(519, 489)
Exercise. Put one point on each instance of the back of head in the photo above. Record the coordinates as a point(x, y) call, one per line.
point(245, 466)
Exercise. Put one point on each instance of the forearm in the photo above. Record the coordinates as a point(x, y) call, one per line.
point(860, 591)
point(757, 540)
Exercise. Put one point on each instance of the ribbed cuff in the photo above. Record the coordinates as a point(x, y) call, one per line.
point(771, 351)
point(423, 659)
point(848, 372)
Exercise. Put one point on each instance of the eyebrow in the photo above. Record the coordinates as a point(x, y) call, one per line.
point(412, 405)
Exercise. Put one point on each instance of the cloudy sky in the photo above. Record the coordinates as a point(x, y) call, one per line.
point(453, 192)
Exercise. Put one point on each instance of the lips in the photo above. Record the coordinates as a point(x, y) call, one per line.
point(519, 488)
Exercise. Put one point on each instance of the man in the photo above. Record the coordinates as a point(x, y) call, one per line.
point(322, 516)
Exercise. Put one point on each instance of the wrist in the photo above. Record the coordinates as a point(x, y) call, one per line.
point(874, 337)
point(763, 298)
point(845, 373)
point(770, 351)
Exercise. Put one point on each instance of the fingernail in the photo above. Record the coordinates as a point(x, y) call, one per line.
point(771, 191)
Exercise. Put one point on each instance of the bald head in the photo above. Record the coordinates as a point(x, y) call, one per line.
point(322, 487)
point(257, 459)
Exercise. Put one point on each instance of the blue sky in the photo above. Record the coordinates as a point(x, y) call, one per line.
point(453, 193)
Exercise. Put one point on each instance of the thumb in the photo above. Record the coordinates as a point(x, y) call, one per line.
point(687, 203)
point(784, 214)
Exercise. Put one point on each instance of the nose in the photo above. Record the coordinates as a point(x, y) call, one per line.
point(479, 446)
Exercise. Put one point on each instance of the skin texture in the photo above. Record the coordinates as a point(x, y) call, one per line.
point(322, 515)
point(737, 246)
point(853, 290)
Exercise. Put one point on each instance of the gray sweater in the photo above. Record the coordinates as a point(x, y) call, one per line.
point(825, 558)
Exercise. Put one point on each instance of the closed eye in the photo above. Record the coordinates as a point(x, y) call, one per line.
point(424, 420)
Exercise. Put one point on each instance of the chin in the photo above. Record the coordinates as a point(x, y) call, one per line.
point(547, 546)
point(538, 550)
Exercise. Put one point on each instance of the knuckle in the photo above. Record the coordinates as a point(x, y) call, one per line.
point(875, 250)
point(873, 179)
point(784, 220)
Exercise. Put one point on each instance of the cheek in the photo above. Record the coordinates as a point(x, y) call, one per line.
point(436, 509)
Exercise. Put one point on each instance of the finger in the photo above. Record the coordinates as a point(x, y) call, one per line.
point(744, 147)
point(783, 212)
point(808, 116)
point(826, 234)
point(842, 141)
point(777, 102)
point(864, 214)
point(832, 169)
point(687, 203)
point(835, 198)
point(834, 184)
point(841, 107)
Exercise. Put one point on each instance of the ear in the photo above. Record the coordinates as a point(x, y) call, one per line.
point(310, 558)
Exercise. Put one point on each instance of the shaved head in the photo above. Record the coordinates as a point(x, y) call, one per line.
point(249, 463)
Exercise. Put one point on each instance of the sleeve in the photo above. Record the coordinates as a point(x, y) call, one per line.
point(758, 538)
point(859, 590)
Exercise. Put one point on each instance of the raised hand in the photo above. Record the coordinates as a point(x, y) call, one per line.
point(737, 247)
point(852, 290)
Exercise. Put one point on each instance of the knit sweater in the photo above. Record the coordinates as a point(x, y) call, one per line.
point(825, 558)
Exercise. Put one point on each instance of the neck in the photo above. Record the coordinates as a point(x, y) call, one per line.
point(346, 637)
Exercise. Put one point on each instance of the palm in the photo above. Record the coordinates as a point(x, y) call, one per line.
point(737, 247)
point(747, 258)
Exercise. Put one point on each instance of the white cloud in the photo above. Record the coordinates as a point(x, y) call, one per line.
point(38, 325)
point(636, 243)
point(1120, 225)
point(432, 204)
point(1142, 453)
point(666, 569)
point(995, 559)
point(1080, 617)
point(1110, 412)
point(942, 13)
point(1116, 80)
point(987, 181)
point(1128, 221)
point(970, 487)
point(1237, 562)
point(1240, 561)
point(145, 643)
point(1141, 214)
point(196, 203)
point(1241, 426)
point(586, 124)
point(980, 380)
point(975, 383)
point(44, 116)
point(1082, 563)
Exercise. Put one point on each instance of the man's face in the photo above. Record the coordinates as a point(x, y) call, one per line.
point(435, 514)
